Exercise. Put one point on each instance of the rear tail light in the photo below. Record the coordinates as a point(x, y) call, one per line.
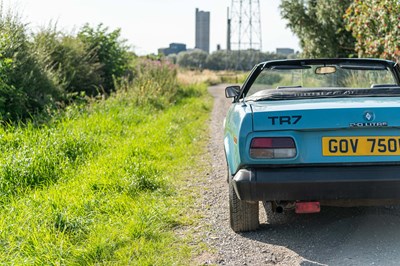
point(272, 148)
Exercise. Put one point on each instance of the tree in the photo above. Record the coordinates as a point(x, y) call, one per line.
point(376, 26)
point(192, 59)
point(221, 60)
point(320, 26)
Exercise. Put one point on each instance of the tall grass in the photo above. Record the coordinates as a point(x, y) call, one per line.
point(209, 77)
point(155, 82)
point(100, 183)
point(39, 157)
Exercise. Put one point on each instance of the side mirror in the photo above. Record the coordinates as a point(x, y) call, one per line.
point(232, 91)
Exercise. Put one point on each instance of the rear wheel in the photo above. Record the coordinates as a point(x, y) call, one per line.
point(243, 214)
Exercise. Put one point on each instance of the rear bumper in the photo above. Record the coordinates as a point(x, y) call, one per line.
point(318, 183)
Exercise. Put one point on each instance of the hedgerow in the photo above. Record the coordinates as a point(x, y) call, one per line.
point(43, 71)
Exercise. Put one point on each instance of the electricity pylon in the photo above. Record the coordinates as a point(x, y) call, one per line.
point(244, 25)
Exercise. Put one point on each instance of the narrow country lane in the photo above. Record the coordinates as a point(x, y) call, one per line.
point(336, 236)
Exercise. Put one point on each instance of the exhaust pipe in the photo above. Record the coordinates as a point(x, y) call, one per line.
point(279, 209)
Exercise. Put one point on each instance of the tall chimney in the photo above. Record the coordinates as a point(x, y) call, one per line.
point(228, 37)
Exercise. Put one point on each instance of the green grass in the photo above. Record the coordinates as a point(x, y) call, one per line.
point(102, 184)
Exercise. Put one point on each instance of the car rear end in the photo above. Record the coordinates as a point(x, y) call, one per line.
point(321, 132)
point(322, 150)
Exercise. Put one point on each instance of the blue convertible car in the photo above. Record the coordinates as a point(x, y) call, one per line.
point(305, 133)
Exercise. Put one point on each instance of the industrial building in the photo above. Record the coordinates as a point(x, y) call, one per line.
point(202, 30)
point(174, 48)
point(285, 51)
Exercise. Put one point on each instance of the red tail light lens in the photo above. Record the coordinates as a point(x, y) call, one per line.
point(272, 148)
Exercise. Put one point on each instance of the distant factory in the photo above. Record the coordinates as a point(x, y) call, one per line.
point(202, 36)
point(285, 51)
point(243, 30)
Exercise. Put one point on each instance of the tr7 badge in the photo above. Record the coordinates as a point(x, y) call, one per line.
point(285, 120)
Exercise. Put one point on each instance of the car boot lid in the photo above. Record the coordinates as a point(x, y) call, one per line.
point(326, 114)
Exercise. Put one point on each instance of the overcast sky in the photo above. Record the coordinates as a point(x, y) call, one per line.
point(152, 24)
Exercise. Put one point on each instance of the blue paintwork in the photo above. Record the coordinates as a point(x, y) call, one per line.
point(320, 118)
point(237, 123)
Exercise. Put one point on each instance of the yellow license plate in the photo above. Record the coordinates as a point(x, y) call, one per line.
point(361, 146)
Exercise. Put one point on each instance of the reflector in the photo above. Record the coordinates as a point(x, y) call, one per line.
point(307, 207)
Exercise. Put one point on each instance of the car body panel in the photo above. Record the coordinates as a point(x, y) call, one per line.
point(238, 125)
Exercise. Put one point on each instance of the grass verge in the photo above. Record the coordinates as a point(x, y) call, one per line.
point(101, 185)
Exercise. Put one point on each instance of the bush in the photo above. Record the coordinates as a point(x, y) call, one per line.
point(44, 71)
point(67, 60)
point(111, 53)
point(25, 88)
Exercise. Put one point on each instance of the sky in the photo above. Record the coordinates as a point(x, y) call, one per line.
point(151, 24)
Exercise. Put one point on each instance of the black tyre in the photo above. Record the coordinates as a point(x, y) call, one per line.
point(243, 215)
